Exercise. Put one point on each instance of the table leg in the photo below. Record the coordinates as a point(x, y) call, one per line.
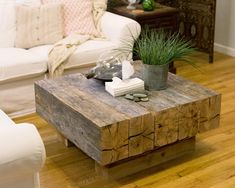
point(64, 140)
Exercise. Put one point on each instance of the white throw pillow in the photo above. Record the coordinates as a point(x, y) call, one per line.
point(8, 22)
point(38, 25)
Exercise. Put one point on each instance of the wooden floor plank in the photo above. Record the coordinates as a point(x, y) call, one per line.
point(206, 177)
point(193, 165)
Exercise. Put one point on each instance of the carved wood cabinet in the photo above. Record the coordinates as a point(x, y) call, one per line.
point(196, 22)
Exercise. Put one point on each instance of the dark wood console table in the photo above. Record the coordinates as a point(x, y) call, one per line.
point(197, 22)
point(163, 17)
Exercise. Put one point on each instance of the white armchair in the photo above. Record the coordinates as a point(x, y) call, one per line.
point(22, 154)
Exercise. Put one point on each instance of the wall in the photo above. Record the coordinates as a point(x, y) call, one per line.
point(225, 27)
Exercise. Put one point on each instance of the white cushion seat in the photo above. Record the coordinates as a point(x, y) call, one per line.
point(41, 51)
point(17, 63)
point(86, 53)
point(89, 52)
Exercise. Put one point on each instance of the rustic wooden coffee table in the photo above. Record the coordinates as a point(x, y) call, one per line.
point(118, 133)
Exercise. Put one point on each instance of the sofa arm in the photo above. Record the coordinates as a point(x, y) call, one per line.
point(22, 151)
point(5, 121)
point(119, 29)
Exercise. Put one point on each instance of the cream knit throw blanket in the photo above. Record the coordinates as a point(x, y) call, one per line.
point(63, 49)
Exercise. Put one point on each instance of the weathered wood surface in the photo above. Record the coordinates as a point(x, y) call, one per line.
point(110, 129)
point(146, 161)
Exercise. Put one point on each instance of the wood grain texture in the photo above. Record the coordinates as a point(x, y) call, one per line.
point(211, 165)
point(110, 129)
point(114, 142)
point(148, 160)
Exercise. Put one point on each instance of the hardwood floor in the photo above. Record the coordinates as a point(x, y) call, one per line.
point(211, 165)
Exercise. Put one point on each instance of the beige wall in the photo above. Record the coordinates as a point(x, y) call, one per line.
point(225, 27)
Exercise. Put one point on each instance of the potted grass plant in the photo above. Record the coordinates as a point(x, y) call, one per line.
point(157, 50)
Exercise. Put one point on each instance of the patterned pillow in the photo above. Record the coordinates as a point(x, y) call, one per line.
point(38, 25)
point(78, 17)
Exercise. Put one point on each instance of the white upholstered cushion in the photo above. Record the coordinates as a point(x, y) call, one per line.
point(7, 20)
point(22, 157)
point(23, 150)
point(41, 51)
point(38, 25)
point(16, 62)
point(87, 53)
point(23, 154)
point(5, 121)
point(124, 29)
point(7, 25)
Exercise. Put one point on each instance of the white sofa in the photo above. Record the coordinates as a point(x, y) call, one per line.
point(22, 154)
point(20, 68)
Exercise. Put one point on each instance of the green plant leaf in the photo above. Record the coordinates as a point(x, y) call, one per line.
point(158, 48)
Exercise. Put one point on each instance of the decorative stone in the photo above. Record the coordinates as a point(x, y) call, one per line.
point(140, 95)
point(137, 96)
point(146, 99)
point(129, 96)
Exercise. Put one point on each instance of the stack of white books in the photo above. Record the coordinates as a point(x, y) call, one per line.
point(120, 87)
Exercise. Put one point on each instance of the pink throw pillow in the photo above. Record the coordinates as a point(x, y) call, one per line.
point(78, 17)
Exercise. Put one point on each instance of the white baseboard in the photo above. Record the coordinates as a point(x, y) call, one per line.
point(224, 49)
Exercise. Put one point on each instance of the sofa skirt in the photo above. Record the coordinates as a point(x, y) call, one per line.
point(17, 97)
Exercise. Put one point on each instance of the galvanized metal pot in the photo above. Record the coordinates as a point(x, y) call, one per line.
point(155, 76)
